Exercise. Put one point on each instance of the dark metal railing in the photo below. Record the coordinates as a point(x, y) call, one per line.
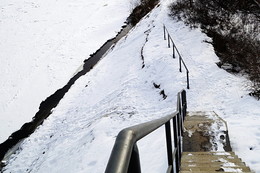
point(174, 48)
point(125, 156)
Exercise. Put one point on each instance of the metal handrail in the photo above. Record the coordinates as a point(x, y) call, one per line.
point(181, 61)
point(124, 157)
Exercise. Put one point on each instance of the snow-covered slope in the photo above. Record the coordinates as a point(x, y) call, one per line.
point(118, 92)
point(42, 45)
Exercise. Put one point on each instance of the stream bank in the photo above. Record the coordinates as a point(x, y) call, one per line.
point(12, 143)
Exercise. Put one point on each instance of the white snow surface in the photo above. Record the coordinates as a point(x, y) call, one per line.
point(118, 93)
point(42, 45)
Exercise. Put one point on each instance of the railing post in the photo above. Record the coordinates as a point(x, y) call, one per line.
point(184, 103)
point(175, 136)
point(173, 51)
point(179, 137)
point(180, 62)
point(169, 44)
point(134, 164)
point(169, 144)
point(164, 34)
point(180, 115)
point(188, 80)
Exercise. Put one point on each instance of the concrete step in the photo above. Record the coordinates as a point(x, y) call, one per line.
point(202, 130)
point(213, 164)
point(197, 118)
point(209, 153)
point(210, 157)
point(208, 172)
point(217, 168)
point(235, 161)
point(202, 162)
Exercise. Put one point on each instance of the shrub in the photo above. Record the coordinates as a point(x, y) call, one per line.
point(233, 26)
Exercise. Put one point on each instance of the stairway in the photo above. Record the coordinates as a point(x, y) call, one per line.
point(205, 131)
point(210, 162)
point(206, 146)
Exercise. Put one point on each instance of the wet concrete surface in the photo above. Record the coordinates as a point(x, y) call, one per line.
point(205, 131)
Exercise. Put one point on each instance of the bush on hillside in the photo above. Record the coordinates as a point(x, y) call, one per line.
point(234, 26)
point(143, 7)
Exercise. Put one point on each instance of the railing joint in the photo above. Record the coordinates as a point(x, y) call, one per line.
point(125, 155)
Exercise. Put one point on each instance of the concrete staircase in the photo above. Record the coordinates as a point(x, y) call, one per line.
point(206, 146)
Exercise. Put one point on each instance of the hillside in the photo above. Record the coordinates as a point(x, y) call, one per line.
point(234, 26)
point(43, 44)
point(120, 91)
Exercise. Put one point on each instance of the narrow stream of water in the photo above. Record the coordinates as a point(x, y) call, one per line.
point(53, 100)
point(12, 143)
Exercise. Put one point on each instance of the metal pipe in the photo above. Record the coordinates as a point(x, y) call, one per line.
point(180, 63)
point(173, 52)
point(169, 44)
point(121, 153)
point(164, 34)
point(169, 143)
point(188, 80)
point(175, 136)
point(169, 169)
point(134, 165)
point(125, 156)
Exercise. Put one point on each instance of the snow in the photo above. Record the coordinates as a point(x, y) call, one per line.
point(80, 133)
point(231, 170)
point(42, 45)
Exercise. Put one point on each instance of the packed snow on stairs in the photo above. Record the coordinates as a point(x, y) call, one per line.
point(118, 93)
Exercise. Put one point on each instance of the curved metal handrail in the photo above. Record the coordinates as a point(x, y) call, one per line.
point(125, 157)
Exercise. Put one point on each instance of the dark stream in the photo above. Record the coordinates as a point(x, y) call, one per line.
point(12, 143)
point(52, 101)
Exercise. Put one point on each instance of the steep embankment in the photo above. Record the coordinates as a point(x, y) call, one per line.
point(52, 101)
point(234, 27)
point(42, 44)
point(119, 92)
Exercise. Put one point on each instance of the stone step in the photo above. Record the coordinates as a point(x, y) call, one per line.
point(199, 156)
point(213, 164)
point(209, 172)
point(212, 161)
point(217, 168)
point(209, 157)
point(197, 118)
point(202, 130)
point(209, 153)
point(235, 161)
